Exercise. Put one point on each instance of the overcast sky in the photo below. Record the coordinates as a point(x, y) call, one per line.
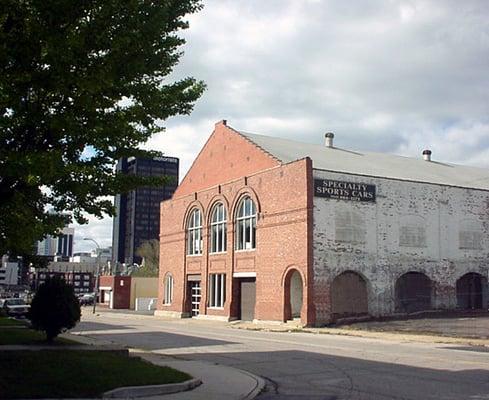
point(386, 76)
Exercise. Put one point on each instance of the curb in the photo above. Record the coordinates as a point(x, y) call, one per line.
point(260, 385)
point(151, 390)
point(410, 336)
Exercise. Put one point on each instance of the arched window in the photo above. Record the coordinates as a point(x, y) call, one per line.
point(194, 233)
point(218, 229)
point(246, 225)
point(168, 289)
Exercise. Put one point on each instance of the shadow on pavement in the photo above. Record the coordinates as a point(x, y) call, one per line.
point(97, 326)
point(307, 375)
point(158, 340)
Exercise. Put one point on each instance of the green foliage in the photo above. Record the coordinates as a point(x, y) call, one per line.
point(54, 308)
point(150, 252)
point(82, 83)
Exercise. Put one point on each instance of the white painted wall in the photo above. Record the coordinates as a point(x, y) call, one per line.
point(387, 239)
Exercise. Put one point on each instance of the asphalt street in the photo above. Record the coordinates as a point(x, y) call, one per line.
point(310, 366)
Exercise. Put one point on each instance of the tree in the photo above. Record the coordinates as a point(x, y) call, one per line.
point(150, 252)
point(54, 308)
point(82, 83)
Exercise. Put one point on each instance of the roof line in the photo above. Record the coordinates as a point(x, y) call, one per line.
point(398, 179)
point(243, 135)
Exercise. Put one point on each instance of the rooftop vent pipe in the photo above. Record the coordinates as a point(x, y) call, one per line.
point(328, 139)
point(427, 155)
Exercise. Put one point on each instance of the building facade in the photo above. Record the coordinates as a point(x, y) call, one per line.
point(137, 212)
point(60, 246)
point(263, 228)
point(80, 275)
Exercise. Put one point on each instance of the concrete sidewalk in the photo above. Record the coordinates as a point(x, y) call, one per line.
point(218, 381)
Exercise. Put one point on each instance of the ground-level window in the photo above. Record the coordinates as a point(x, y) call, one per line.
point(217, 290)
point(168, 289)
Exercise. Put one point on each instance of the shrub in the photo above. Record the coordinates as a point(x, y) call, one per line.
point(54, 308)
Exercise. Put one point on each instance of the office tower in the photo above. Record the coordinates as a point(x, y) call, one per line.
point(61, 245)
point(138, 212)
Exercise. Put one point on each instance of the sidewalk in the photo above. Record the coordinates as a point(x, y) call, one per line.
point(426, 330)
point(218, 382)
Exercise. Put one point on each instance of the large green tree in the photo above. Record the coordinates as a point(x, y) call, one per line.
point(82, 83)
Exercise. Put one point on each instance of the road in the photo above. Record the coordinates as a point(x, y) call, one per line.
point(310, 366)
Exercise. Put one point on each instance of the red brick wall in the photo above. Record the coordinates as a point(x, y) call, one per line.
point(226, 156)
point(283, 226)
point(121, 293)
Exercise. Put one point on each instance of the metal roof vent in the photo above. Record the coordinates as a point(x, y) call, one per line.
point(427, 155)
point(328, 139)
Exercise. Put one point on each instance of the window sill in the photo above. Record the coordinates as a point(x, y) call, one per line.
point(218, 253)
point(244, 250)
point(194, 255)
point(215, 308)
point(166, 304)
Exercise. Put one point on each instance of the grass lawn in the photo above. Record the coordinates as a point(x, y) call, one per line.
point(56, 374)
point(26, 336)
point(4, 321)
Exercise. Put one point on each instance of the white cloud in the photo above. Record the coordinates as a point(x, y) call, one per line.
point(395, 76)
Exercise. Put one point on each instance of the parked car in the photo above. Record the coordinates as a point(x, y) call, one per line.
point(86, 299)
point(15, 307)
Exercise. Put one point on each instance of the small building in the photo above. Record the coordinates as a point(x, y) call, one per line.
point(264, 228)
point(128, 292)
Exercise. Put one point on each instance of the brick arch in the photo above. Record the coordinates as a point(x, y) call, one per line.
point(404, 271)
point(218, 198)
point(287, 271)
point(349, 294)
point(245, 191)
point(477, 270)
point(414, 291)
point(293, 292)
point(194, 204)
point(472, 291)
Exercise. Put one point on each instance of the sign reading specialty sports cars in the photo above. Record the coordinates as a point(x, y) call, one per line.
point(342, 190)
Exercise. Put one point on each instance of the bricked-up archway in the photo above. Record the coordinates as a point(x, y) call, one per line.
point(293, 294)
point(471, 291)
point(413, 292)
point(349, 295)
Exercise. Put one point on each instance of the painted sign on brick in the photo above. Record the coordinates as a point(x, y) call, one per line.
point(343, 190)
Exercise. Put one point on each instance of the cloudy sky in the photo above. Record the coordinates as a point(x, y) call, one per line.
point(387, 76)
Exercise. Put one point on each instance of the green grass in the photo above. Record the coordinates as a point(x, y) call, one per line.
point(14, 336)
point(4, 321)
point(65, 374)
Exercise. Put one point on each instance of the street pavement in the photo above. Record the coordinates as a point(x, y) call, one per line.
point(307, 365)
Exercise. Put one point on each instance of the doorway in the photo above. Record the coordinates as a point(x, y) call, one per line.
point(195, 295)
point(247, 299)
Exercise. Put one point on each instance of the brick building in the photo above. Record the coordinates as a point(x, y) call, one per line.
point(271, 229)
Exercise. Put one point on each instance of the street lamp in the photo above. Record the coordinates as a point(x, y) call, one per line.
point(97, 273)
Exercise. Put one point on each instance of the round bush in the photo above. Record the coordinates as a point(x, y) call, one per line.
point(54, 308)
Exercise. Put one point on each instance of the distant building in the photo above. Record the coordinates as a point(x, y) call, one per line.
point(104, 254)
point(9, 272)
point(138, 212)
point(61, 246)
point(80, 275)
point(83, 257)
